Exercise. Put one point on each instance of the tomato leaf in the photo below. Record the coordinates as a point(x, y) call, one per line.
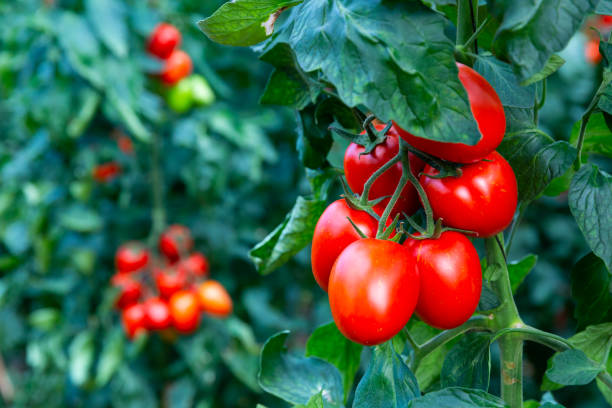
point(327, 343)
point(552, 65)
point(388, 382)
point(294, 378)
point(81, 355)
point(314, 139)
point(111, 357)
point(597, 137)
point(316, 401)
point(416, 80)
point(520, 269)
point(501, 77)
point(468, 363)
point(591, 290)
point(108, 20)
point(458, 397)
point(590, 201)
point(573, 367)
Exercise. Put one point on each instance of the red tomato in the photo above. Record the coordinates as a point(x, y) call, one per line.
point(170, 281)
point(177, 66)
point(163, 40)
point(373, 289)
point(106, 172)
point(333, 233)
point(157, 314)
point(214, 299)
point(488, 113)
point(358, 168)
point(185, 311)
point(591, 52)
point(483, 199)
point(131, 289)
point(451, 279)
point(196, 264)
point(131, 257)
point(125, 144)
point(134, 320)
point(175, 242)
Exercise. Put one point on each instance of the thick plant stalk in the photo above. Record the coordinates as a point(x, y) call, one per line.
point(158, 213)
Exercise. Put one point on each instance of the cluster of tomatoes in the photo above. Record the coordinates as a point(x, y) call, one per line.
point(602, 26)
point(186, 90)
point(375, 285)
point(168, 293)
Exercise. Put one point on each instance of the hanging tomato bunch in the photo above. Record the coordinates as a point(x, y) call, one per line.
point(166, 292)
point(377, 275)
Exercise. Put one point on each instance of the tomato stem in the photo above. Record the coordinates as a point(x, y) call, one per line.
point(402, 155)
point(368, 185)
point(474, 36)
point(158, 213)
point(464, 27)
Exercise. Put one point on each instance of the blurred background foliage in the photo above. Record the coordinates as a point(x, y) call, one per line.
point(74, 81)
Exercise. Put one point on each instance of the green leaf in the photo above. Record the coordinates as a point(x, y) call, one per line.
point(81, 219)
point(108, 19)
point(518, 270)
point(468, 363)
point(590, 201)
point(314, 139)
point(536, 159)
point(244, 22)
point(501, 77)
point(388, 382)
point(327, 343)
point(128, 389)
point(45, 319)
point(128, 116)
point(429, 368)
point(288, 238)
point(181, 393)
point(597, 136)
point(111, 357)
point(316, 401)
point(415, 81)
point(81, 355)
point(488, 298)
point(591, 290)
point(604, 7)
point(531, 32)
point(552, 65)
point(594, 341)
point(458, 397)
point(89, 105)
point(573, 367)
point(294, 378)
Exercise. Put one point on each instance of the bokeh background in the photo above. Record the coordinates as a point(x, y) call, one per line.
point(75, 84)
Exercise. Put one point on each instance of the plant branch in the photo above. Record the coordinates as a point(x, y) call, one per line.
point(515, 224)
point(403, 155)
point(368, 185)
point(158, 215)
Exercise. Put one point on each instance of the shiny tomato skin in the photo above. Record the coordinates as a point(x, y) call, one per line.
point(163, 40)
point(214, 299)
point(106, 172)
point(131, 257)
point(195, 264)
point(489, 114)
point(333, 233)
point(483, 199)
point(358, 168)
point(175, 242)
point(450, 279)
point(157, 314)
point(373, 290)
point(134, 320)
point(170, 281)
point(185, 311)
point(176, 67)
point(130, 290)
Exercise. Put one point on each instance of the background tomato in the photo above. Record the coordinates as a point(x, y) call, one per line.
point(214, 299)
point(170, 281)
point(106, 172)
point(130, 289)
point(163, 40)
point(176, 67)
point(488, 113)
point(202, 93)
point(131, 257)
point(175, 241)
point(195, 264)
point(591, 51)
point(180, 97)
point(333, 233)
point(359, 167)
point(157, 314)
point(134, 320)
point(483, 199)
point(450, 276)
point(185, 311)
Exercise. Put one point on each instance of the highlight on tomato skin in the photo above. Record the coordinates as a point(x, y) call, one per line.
point(157, 314)
point(214, 299)
point(185, 311)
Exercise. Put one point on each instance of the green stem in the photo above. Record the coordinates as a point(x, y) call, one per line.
point(464, 25)
point(474, 36)
point(583, 124)
point(515, 224)
point(403, 155)
point(158, 216)
point(368, 185)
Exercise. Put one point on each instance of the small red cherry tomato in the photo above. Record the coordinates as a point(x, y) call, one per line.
point(134, 320)
point(105, 172)
point(169, 281)
point(157, 314)
point(176, 67)
point(214, 299)
point(185, 311)
point(131, 257)
point(175, 242)
point(195, 264)
point(130, 289)
point(163, 40)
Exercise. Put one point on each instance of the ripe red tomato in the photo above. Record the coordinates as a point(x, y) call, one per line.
point(131, 257)
point(373, 289)
point(358, 168)
point(185, 311)
point(333, 233)
point(591, 52)
point(163, 40)
point(157, 314)
point(125, 144)
point(175, 242)
point(131, 289)
point(106, 172)
point(488, 113)
point(196, 264)
point(170, 281)
point(177, 66)
point(134, 320)
point(214, 299)
point(483, 199)
point(451, 279)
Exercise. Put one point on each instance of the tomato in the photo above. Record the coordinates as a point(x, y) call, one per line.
point(202, 93)
point(214, 299)
point(163, 40)
point(488, 113)
point(176, 67)
point(358, 168)
point(170, 281)
point(157, 314)
point(196, 264)
point(591, 52)
point(131, 289)
point(175, 242)
point(333, 233)
point(180, 96)
point(125, 144)
point(134, 320)
point(106, 172)
point(451, 279)
point(373, 290)
point(483, 199)
point(185, 311)
point(131, 257)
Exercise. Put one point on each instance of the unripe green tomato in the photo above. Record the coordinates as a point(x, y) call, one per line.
point(202, 93)
point(180, 96)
